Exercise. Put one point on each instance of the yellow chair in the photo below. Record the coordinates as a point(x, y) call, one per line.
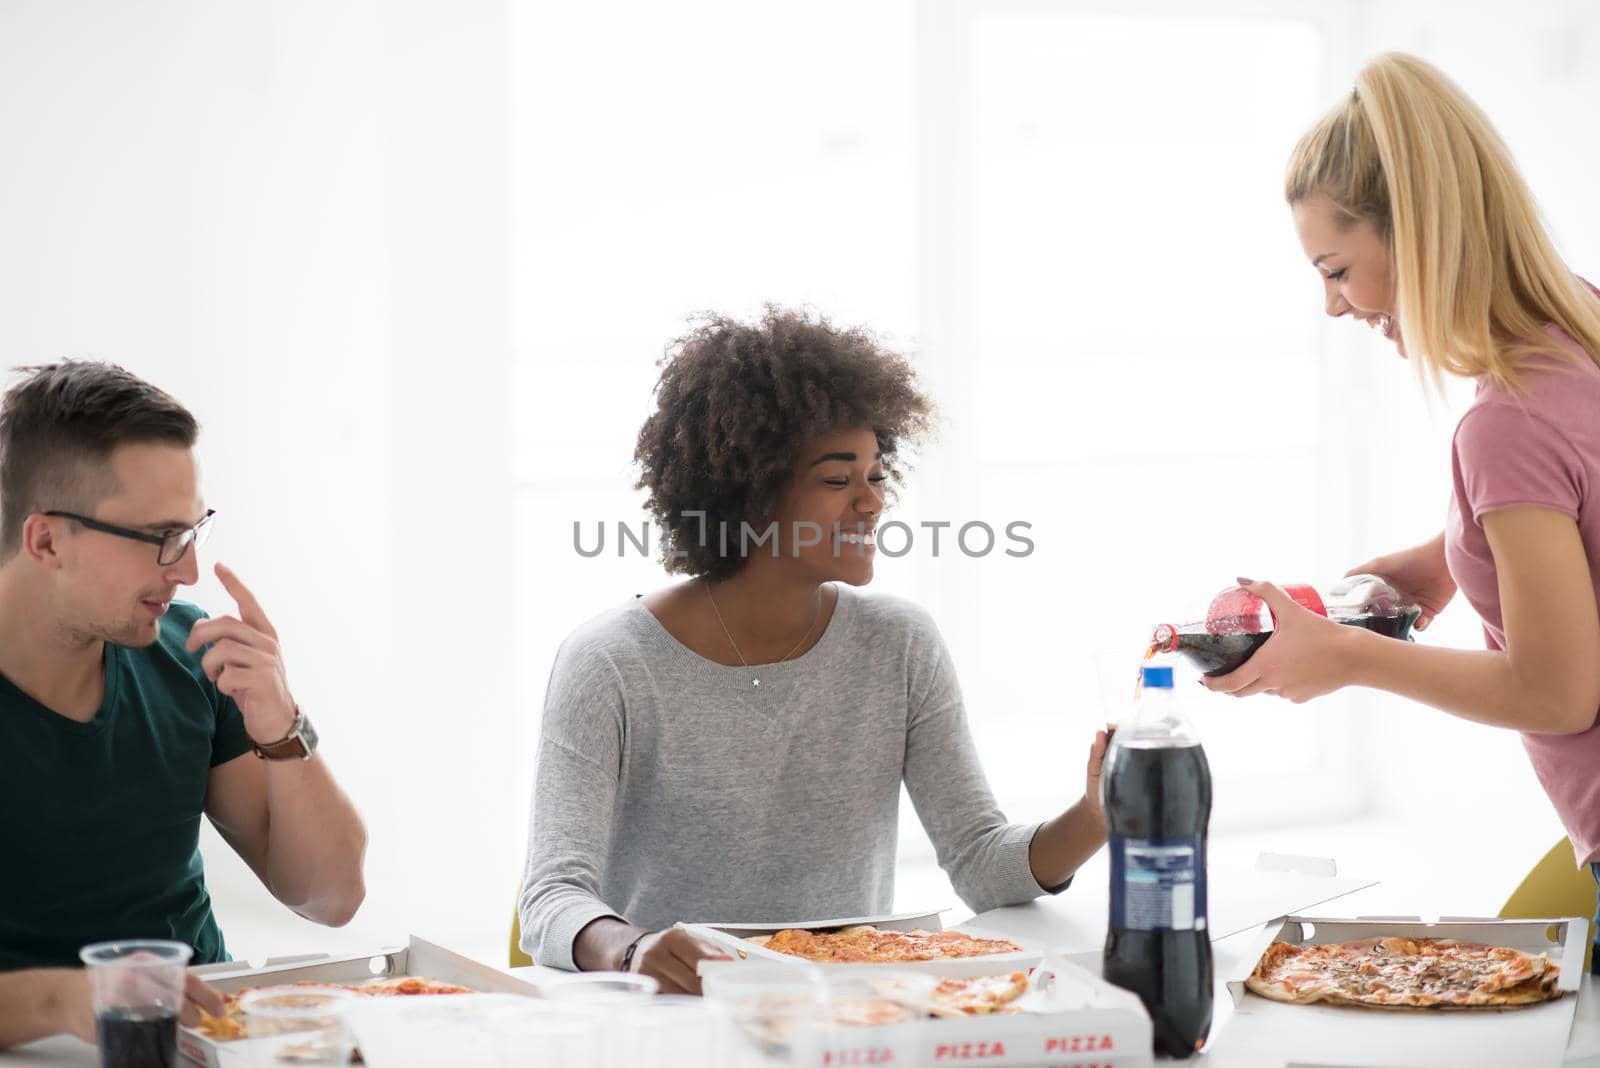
point(1555, 887)
point(518, 958)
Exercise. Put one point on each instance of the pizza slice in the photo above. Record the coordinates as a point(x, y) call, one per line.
point(870, 1012)
point(978, 997)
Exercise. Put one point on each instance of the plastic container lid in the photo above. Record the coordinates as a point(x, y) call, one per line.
point(1158, 676)
point(601, 987)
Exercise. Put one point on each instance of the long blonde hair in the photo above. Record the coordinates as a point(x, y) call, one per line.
point(1477, 277)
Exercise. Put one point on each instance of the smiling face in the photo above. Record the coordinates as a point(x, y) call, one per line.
point(834, 501)
point(112, 588)
point(1356, 265)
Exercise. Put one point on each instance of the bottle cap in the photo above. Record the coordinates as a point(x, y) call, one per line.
point(1158, 677)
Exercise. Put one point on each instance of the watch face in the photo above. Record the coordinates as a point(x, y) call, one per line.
point(308, 735)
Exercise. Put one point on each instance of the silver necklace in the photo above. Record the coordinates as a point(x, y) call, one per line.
point(754, 680)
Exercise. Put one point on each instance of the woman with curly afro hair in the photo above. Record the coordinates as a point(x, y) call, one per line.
point(731, 748)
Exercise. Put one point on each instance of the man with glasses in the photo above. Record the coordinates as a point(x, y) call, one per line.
point(126, 715)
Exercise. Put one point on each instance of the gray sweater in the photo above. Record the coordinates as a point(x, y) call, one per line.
point(669, 788)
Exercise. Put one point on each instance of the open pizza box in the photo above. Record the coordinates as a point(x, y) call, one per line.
point(735, 939)
point(417, 958)
point(1072, 1017)
point(1354, 1037)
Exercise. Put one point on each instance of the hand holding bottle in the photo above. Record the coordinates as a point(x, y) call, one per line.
point(1240, 619)
point(1307, 657)
point(1419, 573)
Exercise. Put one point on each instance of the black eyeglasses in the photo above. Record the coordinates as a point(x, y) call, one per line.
point(171, 546)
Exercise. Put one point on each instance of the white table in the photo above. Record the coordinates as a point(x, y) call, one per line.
point(1076, 924)
point(1583, 1049)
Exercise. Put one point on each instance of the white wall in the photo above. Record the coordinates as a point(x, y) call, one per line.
point(294, 217)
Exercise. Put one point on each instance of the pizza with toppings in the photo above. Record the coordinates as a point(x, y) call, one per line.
point(1405, 973)
point(868, 945)
point(231, 1025)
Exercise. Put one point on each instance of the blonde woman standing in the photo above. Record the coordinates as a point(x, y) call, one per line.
point(1408, 205)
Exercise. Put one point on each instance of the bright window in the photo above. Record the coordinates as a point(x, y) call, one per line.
point(1094, 270)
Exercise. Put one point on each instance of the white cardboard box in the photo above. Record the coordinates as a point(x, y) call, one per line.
point(418, 957)
point(1074, 1020)
point(1092, 1024)
point(1351, 1037)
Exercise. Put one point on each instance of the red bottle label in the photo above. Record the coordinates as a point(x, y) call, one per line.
point(1308, 598)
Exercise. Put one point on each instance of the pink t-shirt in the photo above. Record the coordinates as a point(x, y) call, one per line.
point(1542, 449)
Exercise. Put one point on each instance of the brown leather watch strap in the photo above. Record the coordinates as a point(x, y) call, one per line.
point(291, 746)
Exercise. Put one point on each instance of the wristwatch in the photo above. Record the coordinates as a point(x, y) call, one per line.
point(298, 744)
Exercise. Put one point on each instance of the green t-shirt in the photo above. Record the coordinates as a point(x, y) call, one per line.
point(100, 821)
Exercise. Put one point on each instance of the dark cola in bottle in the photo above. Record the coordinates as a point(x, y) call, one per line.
point(1156, 791)
point(1237, 622)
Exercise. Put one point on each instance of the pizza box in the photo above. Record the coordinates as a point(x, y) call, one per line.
point(1073, 1019)
point(732, 937)
point(896, 921)
point(418, 957)
point(1376, 1038)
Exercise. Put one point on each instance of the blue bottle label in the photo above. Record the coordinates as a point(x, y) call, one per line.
point(1158, 884)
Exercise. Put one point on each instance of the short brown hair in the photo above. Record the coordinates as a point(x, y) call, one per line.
point(736, 402)
point(58, 428)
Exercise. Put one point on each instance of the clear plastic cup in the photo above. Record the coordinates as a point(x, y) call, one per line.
point(617, 995)
point(302, 1024)
point(527, 1033)
point(136, 989)
point(670, 1029)
point(1117, 676)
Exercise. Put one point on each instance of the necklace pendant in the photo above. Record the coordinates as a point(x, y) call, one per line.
point(755, 682)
